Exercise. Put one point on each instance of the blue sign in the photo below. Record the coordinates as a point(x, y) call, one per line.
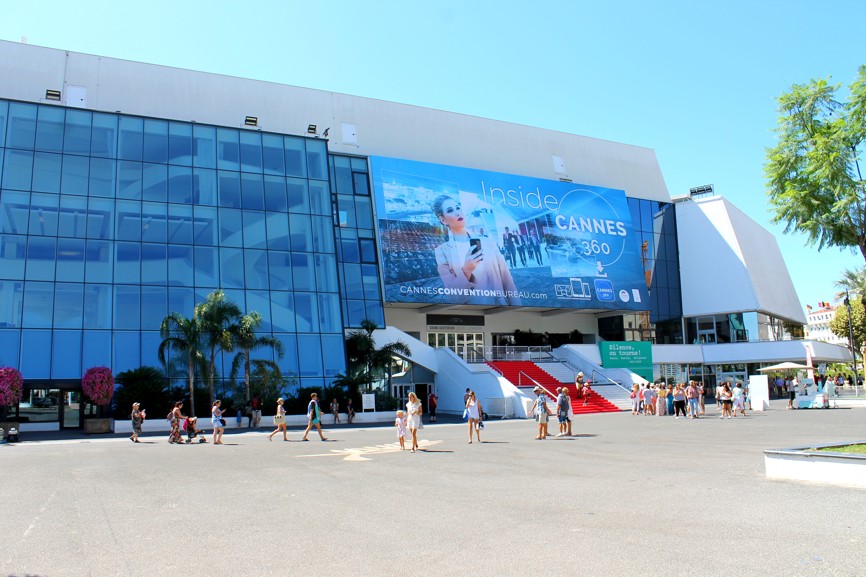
point(455, 235)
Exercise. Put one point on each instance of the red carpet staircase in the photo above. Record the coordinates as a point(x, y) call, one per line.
point(512, 370)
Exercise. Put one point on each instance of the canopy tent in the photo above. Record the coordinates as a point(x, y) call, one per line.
point(786, 366)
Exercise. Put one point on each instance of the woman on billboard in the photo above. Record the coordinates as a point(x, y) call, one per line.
point(475, 264)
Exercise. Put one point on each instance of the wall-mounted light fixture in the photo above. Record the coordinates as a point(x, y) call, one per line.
point(311, 129)
point(52, 95)
point(251, 121)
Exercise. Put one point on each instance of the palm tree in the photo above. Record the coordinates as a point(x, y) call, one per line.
point(216, 317)
point(854, 283)
point(246, 341)
point(183, 335)
point(362, 352)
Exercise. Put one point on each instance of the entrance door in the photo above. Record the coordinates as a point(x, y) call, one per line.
point(71, 409)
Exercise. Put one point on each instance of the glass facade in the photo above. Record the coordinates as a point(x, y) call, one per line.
point(109, 222)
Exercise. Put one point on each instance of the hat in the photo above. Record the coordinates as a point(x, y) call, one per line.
point(579, 374)
point(536, 389)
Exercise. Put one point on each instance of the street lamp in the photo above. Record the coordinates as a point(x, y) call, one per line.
point(851, 342)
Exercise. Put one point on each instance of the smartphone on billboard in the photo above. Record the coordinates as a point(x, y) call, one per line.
point(475, 243)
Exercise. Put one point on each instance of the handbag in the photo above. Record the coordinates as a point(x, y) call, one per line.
point(279, 419)
point(223, 422)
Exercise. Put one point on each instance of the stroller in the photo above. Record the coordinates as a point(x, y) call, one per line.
point(192, 432)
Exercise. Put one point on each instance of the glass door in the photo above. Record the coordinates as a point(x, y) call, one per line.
point(70, 415)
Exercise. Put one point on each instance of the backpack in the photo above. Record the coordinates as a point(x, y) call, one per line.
point(169, 416)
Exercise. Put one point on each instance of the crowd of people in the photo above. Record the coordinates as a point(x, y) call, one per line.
point(686, 400)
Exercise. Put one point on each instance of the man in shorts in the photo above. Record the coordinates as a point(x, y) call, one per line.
point(562, 411)
point(541, 412)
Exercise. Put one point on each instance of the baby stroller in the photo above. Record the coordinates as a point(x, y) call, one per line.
point(192, 432)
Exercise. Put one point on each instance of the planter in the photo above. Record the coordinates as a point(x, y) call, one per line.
point(804, 464)
point(98, 426)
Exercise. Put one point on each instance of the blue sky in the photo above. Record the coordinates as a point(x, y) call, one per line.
point(695, 81)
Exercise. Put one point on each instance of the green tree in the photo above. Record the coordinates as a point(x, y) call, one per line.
point(839, 324)
point(367, 363)
point(216, 317)
point(184, 336)
point(853, 283)
point(246, 341)
point(813, 174)
point(145, 385)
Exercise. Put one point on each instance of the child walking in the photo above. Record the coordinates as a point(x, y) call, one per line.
point(400, 424)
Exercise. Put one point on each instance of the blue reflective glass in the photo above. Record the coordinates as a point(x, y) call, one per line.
point(317, 159)
point(254, 229)
point(231, 227)
point(343, 175)
point(204, 186)
point(154, 265)
point(180, 265)
point(356, 311)
point(154, 306)
point(155, 144)
point(154, 226)
point(21, 129)
point(73, 216)
point(323, 234)
point(76, 137)
point(298, 196)
point(102, 177)
point(14, 208)
point(354, 283)
point(9, 340)
point(228, 154)
point(18, 169)
point(275, 194)
point(98, 261)
point(36, 360)
point(103, 138)
point(364, 212)
point(129, 179)
point(307, 312)
point(368, 250)
point(150, 349)
point(260, 302)
point(70, 260)
point(180, 144)
point(100, 218)
point(330, 320)
point(128, 220)
point(302, 271)
point(346, 211)
point(11, 303)
point(49, 129)
point(333, 355)
point(301, 235)
point(154, 182)
point(96, 351)
point(127, 346)
point(76, 175)
point(256, 269)
point(375, 312)
point(289, 361)
point(127, 307)
point(296, 156)
point(362, 185)
point(41, 258)
point(207, 270)
point(370, 274)
point(251, 151)
point(43, 214)
point(278, 230)
point(310, 353)
point(204, 146)
point(273, 157)
point(127, 265)
point(46, 172)
point(326, 273)
point(283, 311)
point(4, 113)
point(280, 269)
point(130, 132)
point(229, 184)
point(232, 267)
point(205, 227)
point(12, 251)
point(320, 198)
point(252, 191)
point(38, 304)
point(181, 300)
point(180, 224)
point(359, 164)
point(68, 305)
point(180, 184)
point(97, 306)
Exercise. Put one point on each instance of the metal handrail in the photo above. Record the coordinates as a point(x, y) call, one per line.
point(522, 374)
point(593, 380)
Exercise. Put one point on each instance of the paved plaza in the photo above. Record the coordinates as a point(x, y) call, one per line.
point(627, 496)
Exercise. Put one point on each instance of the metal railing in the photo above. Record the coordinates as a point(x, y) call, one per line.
point(479, 354)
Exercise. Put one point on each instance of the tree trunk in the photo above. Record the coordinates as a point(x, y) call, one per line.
point(247, 372)
point(211, 367)
point(191, 373)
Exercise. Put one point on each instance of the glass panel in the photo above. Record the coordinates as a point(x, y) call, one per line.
point(21, 132)
point(329, 313)
point(180, 144)
point(4, 114)
point(155, 141)
point(127, 266)
point(98, 261)
point(283, 314)
point(362, 185)
point(38, 304)
point(370, 274)
point(36, 363)
point(128, 220)
point(76, 139)
point(278, 231)
point(70, 261)
point(326, 273)
point(323, 234)
point(75, 177)
point(41, 258)
point(206, 267)
point(153, 222)
point(302, 272)
point(228, 157)
point(73, 216)
point(368, 250)
point(14, 208)
point(334, 358)
point(154, 182)
point(97, 349)
point(103, 138)
point(260, 302)
point(18, 170)
point(180, 184)
point(154, 266)
point(352, 278)
point(289, 362)
point(43, 214)
point(280, 268)
point(256, 269)
point(301, 237)
point(180, 265)
point(296, 152)
point(181, 300)
point(68, 306)
point(251, 151)
point(204, 186)
point(229, 189)
point(127, 303)
point(357, 312)
point(102, 177)
point(129, 179)
point(364, 212)
point(272, 154)
point(126, 351)
point(12, 251)
point(252, 191)
point(307, 312)
point(46, 172)
point(310, 351)
point(9, 340)
point(11, 306)
point(97, 306)
point(49, 129)
point(275, 194)
point(231, 227)
point(320, 198)
point(179, 224)
point(149, 348)
point(343, 175)
point(317, 159)
point(254, 229)
point(130, 141)
point(232, 267)
point(299, 200)
point(100, 218)
point(154, 306)
point(205, 225)
point(204, 146)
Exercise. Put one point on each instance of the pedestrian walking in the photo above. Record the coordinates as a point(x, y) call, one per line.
point(335, 411)
point(176, 417)
point(314, 417)
point(413, 419)
point(541, 412)
point(217, 422)
point(279, 421)
point(473, 407)
point(137, 417)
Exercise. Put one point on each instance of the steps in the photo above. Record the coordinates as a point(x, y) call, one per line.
point(525, 374)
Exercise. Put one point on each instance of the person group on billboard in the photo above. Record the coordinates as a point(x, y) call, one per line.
point(453, 235)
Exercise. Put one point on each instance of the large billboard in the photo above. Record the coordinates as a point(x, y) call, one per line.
point(452, 235)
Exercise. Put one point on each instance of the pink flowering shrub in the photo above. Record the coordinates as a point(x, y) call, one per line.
point(11, 386)
point(98, 385)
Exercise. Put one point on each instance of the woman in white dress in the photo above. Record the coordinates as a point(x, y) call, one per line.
point(279, 421)
point(217, 422)
point(413, 419)
point(473, 412)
